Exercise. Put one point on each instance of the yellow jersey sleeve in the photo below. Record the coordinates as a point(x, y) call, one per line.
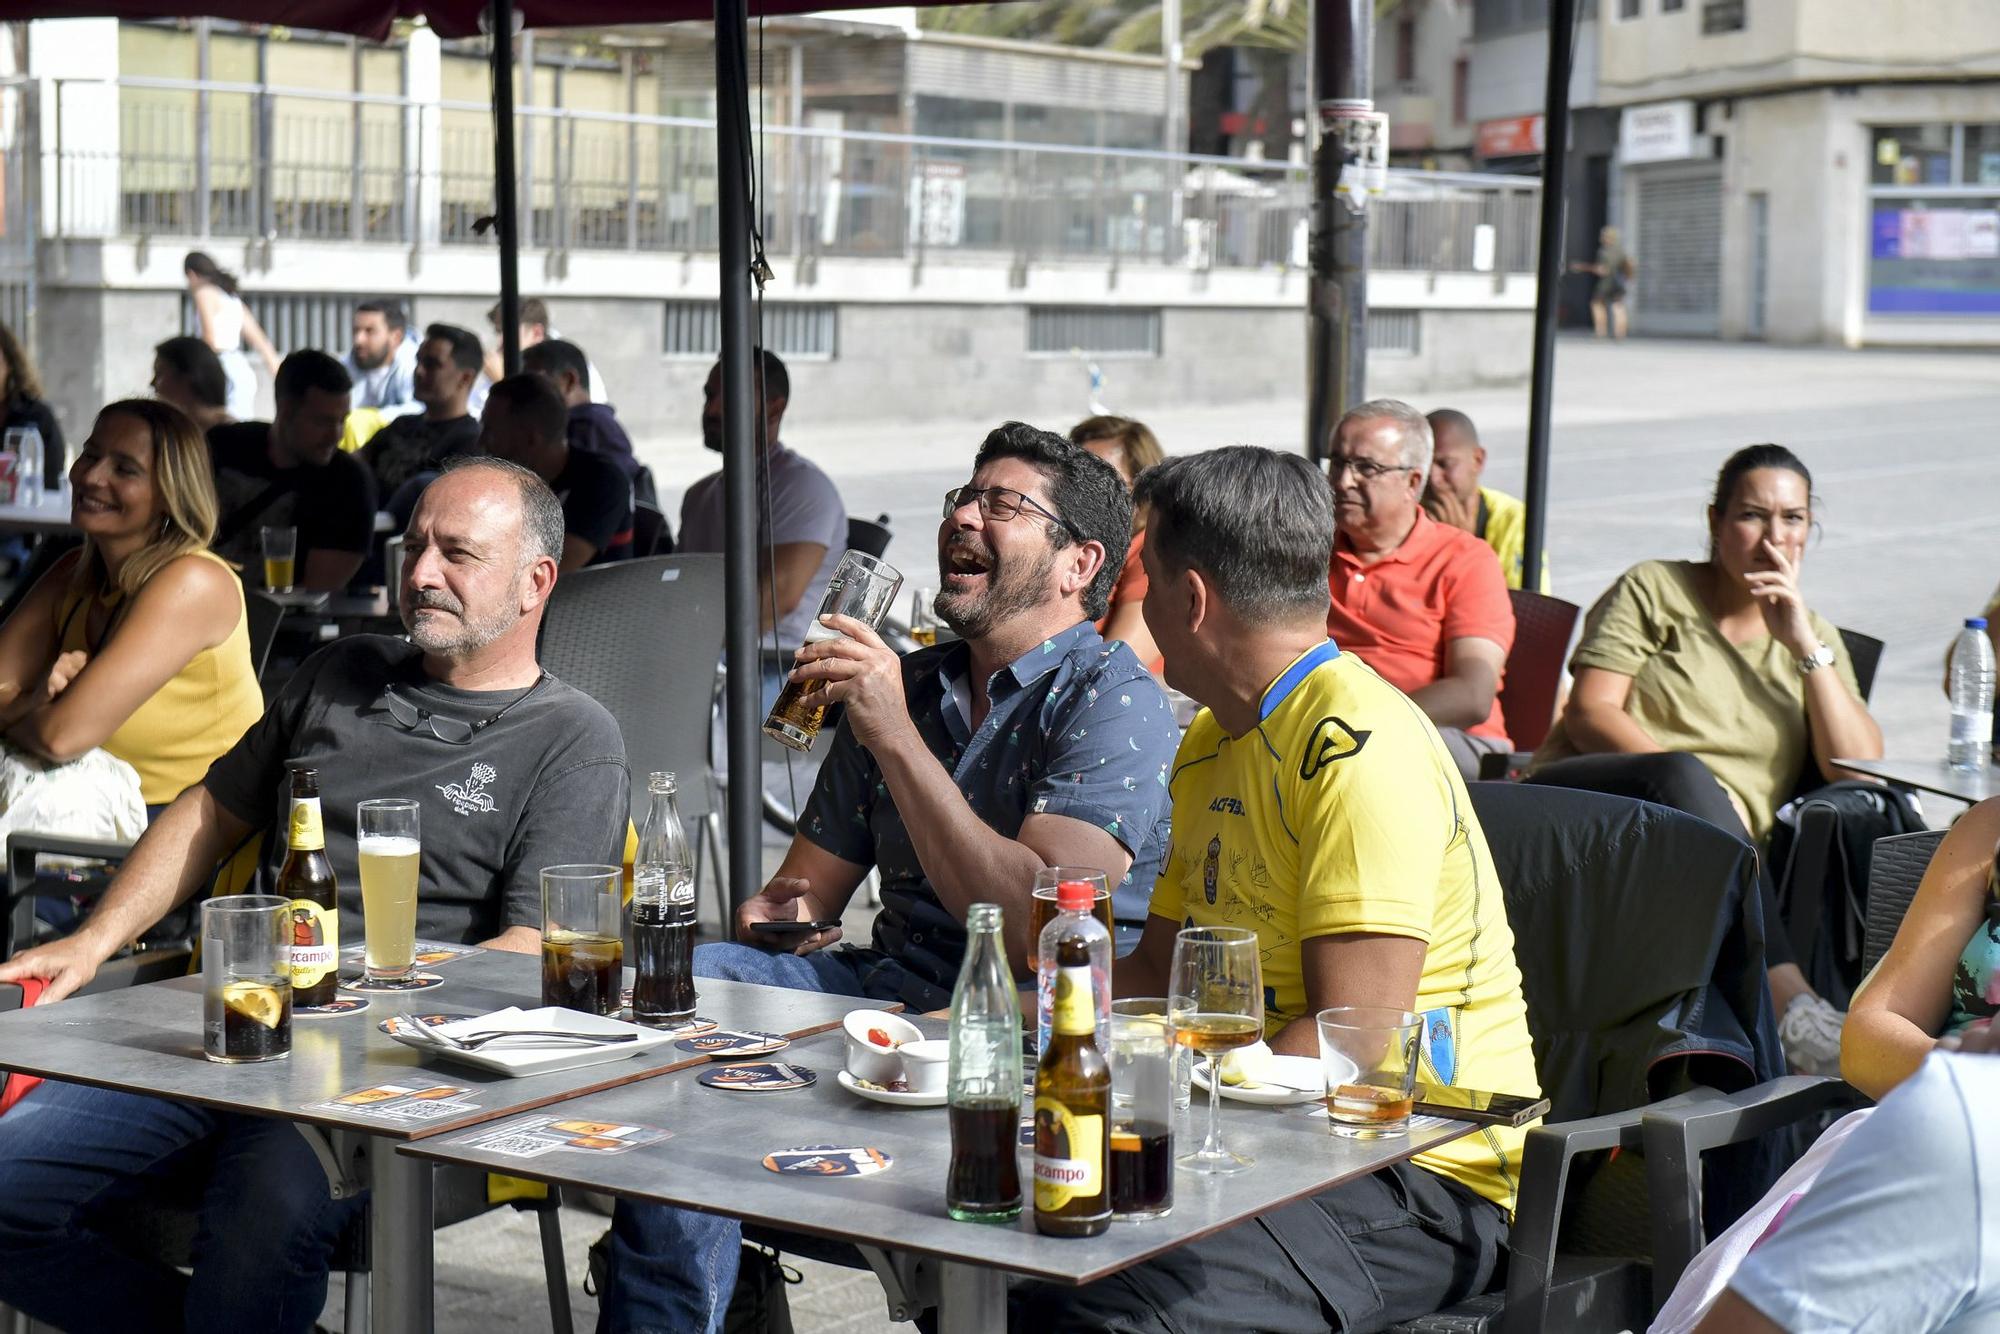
point(1372, 819)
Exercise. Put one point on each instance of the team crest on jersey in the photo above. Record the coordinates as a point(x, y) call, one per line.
point(1440, 1046)
point(1332, 740)
point(1209, 869)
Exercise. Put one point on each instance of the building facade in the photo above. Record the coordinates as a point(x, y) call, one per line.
point(1809, 171)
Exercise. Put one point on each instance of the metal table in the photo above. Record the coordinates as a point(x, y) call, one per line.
point(148, 1040)
point(1967, 785)
point(713, 1163)
point(50, 517)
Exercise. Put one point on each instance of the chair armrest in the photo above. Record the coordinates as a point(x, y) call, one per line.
point(17, 922)
point(1546, 1158)
point(10, 996)
point(1678, 1132)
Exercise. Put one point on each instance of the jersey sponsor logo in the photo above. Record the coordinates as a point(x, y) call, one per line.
point(1441, 1044)
point(1209, 868)
point(471, 796)
point(1228, 805)
point(1332, 740)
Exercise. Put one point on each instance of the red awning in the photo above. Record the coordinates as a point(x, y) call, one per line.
point(449, 18)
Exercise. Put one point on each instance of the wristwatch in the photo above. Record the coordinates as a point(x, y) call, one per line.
point(1818, 658)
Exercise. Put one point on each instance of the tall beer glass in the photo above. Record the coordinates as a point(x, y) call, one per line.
point(861, 587)
point(391, 850)
point(281, 545)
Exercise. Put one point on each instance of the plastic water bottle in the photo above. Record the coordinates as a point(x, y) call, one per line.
point(1971, 677)
point(1076, 914)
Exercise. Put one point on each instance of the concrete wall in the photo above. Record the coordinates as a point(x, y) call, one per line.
point(1509, 73)
point(898, 364)
point(1664, 55)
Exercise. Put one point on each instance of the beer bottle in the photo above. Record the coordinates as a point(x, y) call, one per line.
point(984, 1185)
point(1072, 1095)
point(307, 880)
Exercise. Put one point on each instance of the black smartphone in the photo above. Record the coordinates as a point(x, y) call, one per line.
point(1499, 1109)
point(791, 928)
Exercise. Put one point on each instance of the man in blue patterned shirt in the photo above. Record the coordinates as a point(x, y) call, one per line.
point(958, 773)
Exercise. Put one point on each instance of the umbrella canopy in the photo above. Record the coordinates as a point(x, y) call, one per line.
point(449, 18)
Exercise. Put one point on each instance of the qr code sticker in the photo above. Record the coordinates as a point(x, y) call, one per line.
point(426, 1111)
point(518, 1146)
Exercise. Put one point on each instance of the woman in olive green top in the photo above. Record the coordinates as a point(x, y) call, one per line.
point(1707, 686)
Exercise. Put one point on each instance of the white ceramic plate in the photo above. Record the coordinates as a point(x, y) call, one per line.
point(861, 1090)
point(527, 1057)
point(1303, 1068)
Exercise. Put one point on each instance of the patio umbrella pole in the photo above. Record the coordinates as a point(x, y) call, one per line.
point(1343, 45)
point(739, 464)
point(506, 215)
point(1548, 280)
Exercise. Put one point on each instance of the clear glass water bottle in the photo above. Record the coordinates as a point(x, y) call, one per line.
point(985, 1079)
point(663, 923)
point(28, 466)
point(1971, 688)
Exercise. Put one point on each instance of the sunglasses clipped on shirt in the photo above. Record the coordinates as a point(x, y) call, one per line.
point(413, 717)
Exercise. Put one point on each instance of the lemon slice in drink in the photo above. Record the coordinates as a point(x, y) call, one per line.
point(254, 1001)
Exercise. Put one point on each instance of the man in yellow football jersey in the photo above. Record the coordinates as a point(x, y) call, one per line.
point(1315, 803)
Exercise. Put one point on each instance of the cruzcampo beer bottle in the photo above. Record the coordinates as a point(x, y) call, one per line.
point(1072, 1096)
point(307, 880)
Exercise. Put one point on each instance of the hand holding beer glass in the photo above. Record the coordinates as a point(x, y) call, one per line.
point(391, 850)
point(861, 587)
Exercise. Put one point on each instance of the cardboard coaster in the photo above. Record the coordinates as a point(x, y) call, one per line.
point(414, 982)
point(689, 1028)
point(338, 1005)
point(828, 1160)
point(400, 1023)
point(759, 1077)
point(732, 1043)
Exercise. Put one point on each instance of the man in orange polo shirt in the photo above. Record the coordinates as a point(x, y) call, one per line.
point(1421, 602)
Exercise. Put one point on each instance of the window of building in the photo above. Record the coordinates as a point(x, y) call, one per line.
point(1719, 16)
point(1394, 333)
point(1406, 49)
point(1628, 9)
point(1672, 6)
point(1934, 226)
point(1097, 330)
point(1461, 84)
point(795, 330)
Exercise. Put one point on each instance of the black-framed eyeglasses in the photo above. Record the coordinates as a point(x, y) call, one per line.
point(452, 731)
point(1367, 470)
point(1001, 503)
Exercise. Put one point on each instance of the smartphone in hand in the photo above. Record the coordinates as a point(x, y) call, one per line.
point(791, 930)
point(1498, 1109)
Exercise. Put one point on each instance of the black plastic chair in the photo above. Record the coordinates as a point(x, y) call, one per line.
point(642, 637)
point(1864, 654)
point(649, 530)
point(1652, 1043)
point(870, 536)
point(262, 615)
point(1893, 876)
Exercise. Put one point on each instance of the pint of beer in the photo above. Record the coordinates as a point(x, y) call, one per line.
point(280, 566)
point(391, 852)
point(861, 587)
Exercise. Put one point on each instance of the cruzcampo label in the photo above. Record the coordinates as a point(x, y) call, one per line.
point(315, 942)
point(305, 830)
point(1072, 1012)
point(1069, 1155)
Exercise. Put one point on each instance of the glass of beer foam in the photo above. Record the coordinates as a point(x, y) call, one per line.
point(391, 851)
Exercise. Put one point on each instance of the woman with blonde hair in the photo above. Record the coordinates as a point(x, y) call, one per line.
point(137, 642)
point(1131, 448)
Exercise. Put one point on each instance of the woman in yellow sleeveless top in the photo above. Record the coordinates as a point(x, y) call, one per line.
point(138, 641)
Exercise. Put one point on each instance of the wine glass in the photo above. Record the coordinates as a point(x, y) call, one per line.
point(1216, 1001)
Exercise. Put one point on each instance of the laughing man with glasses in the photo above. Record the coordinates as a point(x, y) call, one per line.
point(513, 771)
point(957, 773)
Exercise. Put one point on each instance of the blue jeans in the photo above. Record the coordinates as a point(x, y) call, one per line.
point(674, 1269)
point(72, 1156)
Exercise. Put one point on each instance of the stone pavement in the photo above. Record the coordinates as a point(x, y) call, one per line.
point(1900, 447)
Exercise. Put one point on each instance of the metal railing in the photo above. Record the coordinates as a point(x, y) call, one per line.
point(243, 160)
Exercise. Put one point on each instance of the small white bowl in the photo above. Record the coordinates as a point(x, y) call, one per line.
point(869, 1061)
point(925, 1064)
